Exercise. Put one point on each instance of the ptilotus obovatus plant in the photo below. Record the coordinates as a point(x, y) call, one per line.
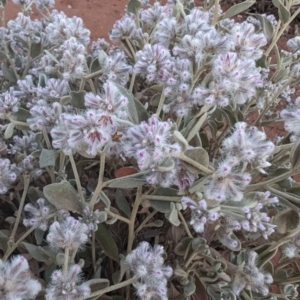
point(144, 168)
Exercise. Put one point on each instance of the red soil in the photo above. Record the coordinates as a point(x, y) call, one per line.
point(98, 15)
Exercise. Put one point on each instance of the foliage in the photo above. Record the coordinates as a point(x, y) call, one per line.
point(146, 169)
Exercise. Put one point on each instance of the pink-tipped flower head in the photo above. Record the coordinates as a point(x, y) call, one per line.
point(16, 282)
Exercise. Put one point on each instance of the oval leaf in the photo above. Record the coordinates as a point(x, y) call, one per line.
point(63, 196)
point(107, 243)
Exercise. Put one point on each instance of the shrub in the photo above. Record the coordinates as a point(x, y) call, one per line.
point(149, 164)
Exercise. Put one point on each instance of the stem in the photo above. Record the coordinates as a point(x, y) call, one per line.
point(28, 60)
point(161, 102)
point(94, 251)
point(79, 188)
point(90, 76)
point(18, 122)
point(216, 11)
point(132, 82)
point(178, 121)
point(46, 138)
point(10, 250)
point(162, 198)
point(271, 102)
point(135, 208)
point(184, 224)
point(66, 261)
point(145, 221)
point(281, 194)
point(113, 215)
point(276, 38)
point(100, 184)
point(253, 187)
point(20, 210)
point(82, 83)
point(190, 161)
point(91, 83)
point(111, 288)
point(130, 48)
point(73, 256)
point(107, 183)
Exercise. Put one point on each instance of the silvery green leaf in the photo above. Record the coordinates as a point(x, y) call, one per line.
point(51, 56)
point(181, 139)
point(77, 99)
point(182, 246)
point(39, 235)
point(284, 13)
point(238, 8)
point(156, 223)
point(102, 56)
point(196, 127)
point(295, 155)
point(136, 110)
point(42, 80)
point(127, 183)
point(36, 50)
point(267, 26)
point(103, 197)
point(47, 158)
point(213, 128)
point(3, 55)
point(155, 100)
point(264, 254)
point(160, 205)
point(286, 221)
point(63, 196)
point(141, 111)
point(281, 74)
point(172, 216)
point(122, 203)
point(166, 166)
point(108, 244)
point(36, 252)
point(65, 100)
point(189, 289)
point(197, 154)
point(9, 74)
point(9, 131)
point(95, 65)
point(133, 6)
point(21, 115)
point(102, 216)
point(34, 194)
point(60, 258)
point(98, 284)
